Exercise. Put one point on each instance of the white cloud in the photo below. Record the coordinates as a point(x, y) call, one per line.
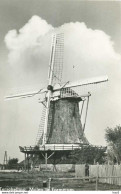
point(28, 50)
point(91, 51)
point(28, 35)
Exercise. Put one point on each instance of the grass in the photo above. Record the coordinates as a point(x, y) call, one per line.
point(25, 180)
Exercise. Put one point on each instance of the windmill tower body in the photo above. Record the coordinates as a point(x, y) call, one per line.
point(66, 125)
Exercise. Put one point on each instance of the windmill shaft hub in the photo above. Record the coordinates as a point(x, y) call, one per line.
point(50, 87)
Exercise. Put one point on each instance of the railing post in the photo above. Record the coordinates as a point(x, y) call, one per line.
point(28, 162)
point(46, 160)
point(25, 162)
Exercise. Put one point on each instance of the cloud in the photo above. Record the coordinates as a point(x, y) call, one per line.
point(28, 47)
point(28, 35)
point(90, 51)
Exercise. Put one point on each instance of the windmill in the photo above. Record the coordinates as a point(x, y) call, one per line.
point(61, 128)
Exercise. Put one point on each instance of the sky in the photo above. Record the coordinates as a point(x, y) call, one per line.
point(92, 44)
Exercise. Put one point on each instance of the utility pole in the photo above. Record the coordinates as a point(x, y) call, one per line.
point(5, 161)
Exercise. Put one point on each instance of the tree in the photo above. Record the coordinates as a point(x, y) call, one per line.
point(113, 138)
point(13, 163)
point(89, 154)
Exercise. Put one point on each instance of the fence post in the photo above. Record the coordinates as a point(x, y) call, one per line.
point(49, 180)
point(96, 186)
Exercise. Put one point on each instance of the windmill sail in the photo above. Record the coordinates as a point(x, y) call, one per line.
point(41, 127)
point(81, 87)
point(58, 59)
point(25, 95)
point(81, 83)
point(54, 76)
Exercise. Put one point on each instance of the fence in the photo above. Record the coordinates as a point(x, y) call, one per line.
point(58, 167)
point(81, 184)
point(110, 174)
